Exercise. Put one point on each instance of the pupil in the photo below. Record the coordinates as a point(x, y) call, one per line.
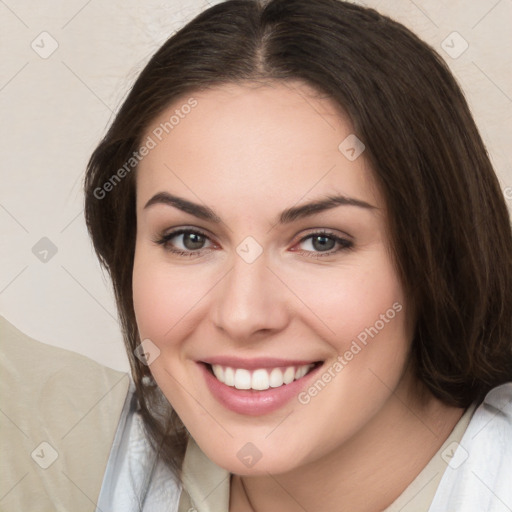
point(193, 241)
point(325, 243)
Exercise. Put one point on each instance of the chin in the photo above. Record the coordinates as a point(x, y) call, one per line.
point(253, 459)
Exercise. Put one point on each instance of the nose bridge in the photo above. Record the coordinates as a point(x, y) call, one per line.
point(249, 299)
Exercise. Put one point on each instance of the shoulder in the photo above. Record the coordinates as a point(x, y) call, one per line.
point(60, 412)
point(477, 475)
point(36, 376)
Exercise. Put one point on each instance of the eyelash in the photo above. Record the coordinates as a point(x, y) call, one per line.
point(343, 243)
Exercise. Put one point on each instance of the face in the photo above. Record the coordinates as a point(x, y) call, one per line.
point(279, 328)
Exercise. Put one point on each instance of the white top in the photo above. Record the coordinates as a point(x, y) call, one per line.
point(478, 475)
point(135, 480)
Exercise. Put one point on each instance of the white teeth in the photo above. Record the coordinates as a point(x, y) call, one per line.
point(229, 377)
point(260, 379)
point(289, 375)
point(242, 379)
point(218, 371)
point(276, 378)
point(301, 372)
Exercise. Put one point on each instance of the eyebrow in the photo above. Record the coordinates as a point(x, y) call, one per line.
point(286, 216)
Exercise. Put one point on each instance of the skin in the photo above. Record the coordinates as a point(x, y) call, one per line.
point(248, 152)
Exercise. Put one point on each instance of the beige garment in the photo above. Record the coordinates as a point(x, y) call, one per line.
point(59, 414)
point(206, 485)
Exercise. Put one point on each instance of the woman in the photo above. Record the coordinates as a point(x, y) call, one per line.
point(312, 261)
point(315, 254)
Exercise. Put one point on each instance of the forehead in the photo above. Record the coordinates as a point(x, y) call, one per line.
point(253, 144)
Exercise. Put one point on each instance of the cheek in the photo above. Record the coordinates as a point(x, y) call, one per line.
point(354, 301)
point(152, 299)
point(164, 301)
point(162, 296)
point(363, 312)
point(367, 312)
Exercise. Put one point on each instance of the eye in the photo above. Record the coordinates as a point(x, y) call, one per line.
point(192, 242)
point(185, 242)
point(323, 243)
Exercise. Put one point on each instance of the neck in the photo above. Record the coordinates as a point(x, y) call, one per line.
point(367, 473)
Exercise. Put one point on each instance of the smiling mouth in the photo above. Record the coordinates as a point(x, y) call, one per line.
point(260, 379)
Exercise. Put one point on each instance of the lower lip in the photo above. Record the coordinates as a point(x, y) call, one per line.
point(251, 402)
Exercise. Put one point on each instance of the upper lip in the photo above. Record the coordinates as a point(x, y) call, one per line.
point(257, 362)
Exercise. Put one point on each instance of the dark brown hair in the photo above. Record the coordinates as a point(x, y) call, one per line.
point(449, 225)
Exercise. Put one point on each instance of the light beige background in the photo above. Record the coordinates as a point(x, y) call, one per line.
point(54, 110)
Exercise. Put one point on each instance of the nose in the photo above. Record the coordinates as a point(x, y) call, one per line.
point(250, 301)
